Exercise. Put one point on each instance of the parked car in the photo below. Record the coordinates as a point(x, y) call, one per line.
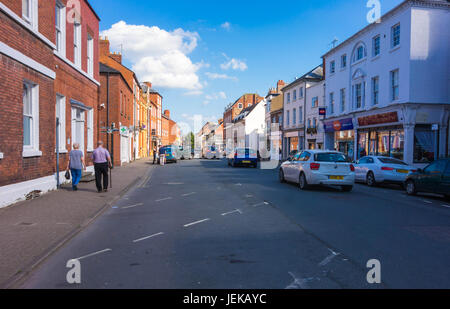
point(243, 157)
point(212, 153)
point(319, 167)
point(185, 153)
point(292, 155)
point(435, 178)
point(170, 153)
point(374, 170)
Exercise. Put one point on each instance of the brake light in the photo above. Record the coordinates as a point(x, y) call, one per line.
point(235, 154)
point(314, 166)
point(414, 171)
point(352, 167)
point(385, 168)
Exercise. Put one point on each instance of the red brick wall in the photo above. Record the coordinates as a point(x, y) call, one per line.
point(14, 168)
point(117, 86)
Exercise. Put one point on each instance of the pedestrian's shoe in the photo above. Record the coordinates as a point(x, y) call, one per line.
point(106, 190)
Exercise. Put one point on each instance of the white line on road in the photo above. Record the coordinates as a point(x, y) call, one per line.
point(132, 206)
point(428, 202)
point(197, 222)
point(164, 199)
point(189, 194)
point(448, 206)
point(148, 237)
point(299, 283)
point(329, 258)
point(92, 254)
point(261, 204)
point(175, 183)
point(232, 212)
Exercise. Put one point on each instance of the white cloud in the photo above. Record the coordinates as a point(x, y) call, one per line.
point(216, 96)
point(226, 25)
point(220, 76)
point(158, 55)
point(234, 64)
point(193, 93)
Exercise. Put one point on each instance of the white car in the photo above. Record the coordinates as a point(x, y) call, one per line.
point(373, 170)
point(319, 167)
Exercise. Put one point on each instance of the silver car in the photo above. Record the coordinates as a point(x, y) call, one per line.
point(319, 167)
point(373, 170)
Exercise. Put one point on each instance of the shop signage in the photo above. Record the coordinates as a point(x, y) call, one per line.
point(339, 125)
point(322, 111)
point(378, 119)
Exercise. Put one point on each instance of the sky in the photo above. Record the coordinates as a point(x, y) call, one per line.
point(202, 55)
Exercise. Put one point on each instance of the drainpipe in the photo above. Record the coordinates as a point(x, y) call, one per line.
point(107, 111)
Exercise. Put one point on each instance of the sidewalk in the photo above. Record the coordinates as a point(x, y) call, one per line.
point(31, 230)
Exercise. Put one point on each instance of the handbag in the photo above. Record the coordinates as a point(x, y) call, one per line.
point(67, 175)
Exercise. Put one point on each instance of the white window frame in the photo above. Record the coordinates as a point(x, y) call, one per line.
point(60, 41)
point(375, 90)
point(300, 115)
point(333, 67)
point(395, 85)
point(61, 114)
point(287, 119)
point(90, 56)
point(343, 99)
point(374, 49)
point(332, 101)
point(289, 97)
point(77, 44)
point(393, 45)
point(32, 18)
point(344, 61)
point(32, 150)
point(301, 93)
point(294, 116)
point(90, 130)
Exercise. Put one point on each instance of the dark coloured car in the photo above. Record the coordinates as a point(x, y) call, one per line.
point(244, 157)
point(435, 178)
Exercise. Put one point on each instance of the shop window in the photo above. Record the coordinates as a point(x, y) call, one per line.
point(383, 143)
point(362, 144)
point(397, 144)
point(424, 144)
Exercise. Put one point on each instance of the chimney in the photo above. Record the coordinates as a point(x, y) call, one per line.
point(167, 113)
point(104, 47)
point(117, 57)
point(280, 85)
point(148, 84)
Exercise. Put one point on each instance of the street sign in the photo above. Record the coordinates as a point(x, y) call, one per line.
point(322, 111)
point(435, 127)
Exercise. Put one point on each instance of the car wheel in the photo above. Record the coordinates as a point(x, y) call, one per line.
point(411, 187)
point(303, 182)
point(281, 176)
point(347, 188)
point(234, 164)
point(370, 180)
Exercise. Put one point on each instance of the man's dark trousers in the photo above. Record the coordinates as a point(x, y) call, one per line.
point(101, 169)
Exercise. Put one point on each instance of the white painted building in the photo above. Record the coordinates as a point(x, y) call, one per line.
point(387, 87)
point(249, 127)
point(315, 100)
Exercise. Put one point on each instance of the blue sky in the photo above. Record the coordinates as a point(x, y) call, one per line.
point(250, 43)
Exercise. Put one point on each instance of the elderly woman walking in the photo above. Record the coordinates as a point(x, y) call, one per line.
point(76, 165)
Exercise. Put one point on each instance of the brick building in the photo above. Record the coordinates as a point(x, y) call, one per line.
point(48, 71)
point(232, 111)
point(115, 109)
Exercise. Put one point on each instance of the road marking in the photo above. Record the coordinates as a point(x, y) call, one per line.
point(329, 258)
point(189, 194)
point(428, 202)
point(232, 212)
point(148, 237)
point(92, 254)
point(164, 199)
point(238, 184)
point(299, 283)
point(448, 206)
point(197, 222)
point(261, 204)
point(174, 183)
point(132, 206)
point(249, 196)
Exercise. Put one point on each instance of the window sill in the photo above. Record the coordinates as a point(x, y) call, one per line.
point(31, 153)
point(374, 58)
point(62, 151)
point(393, 49)
point(359, 61)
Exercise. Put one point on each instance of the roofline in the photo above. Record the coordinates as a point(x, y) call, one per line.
point(92, 9)
point(387, 14)
point(117, 72)
point(304, 79)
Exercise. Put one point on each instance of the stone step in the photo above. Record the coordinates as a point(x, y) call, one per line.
point(87, 177)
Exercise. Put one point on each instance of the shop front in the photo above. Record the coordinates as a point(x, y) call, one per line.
point(293, 141)
point(340, 136)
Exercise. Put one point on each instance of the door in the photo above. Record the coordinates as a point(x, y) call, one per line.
point(359, 169)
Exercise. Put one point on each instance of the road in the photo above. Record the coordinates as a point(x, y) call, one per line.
point(203, 225)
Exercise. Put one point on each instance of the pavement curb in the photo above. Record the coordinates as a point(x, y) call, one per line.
point(16, 281)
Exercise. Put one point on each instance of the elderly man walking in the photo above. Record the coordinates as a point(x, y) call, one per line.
point(102, 161)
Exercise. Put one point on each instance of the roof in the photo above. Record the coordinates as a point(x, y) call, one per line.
point(277, 104)
point(443, 3)
point(315, 74)
point(92, 9)
point(245, 112)
point(106, 69)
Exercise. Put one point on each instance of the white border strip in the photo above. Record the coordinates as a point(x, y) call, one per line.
point(18, 56)
point(20, 21)
point(197, 222)
point(148, 237)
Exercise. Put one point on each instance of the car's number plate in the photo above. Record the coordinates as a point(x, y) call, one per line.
point(403, 171)
point(246, 162)
point(337, 177)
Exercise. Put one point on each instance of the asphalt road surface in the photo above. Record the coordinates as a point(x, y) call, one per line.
point(201, 224)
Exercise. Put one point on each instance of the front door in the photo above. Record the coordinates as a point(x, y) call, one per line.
point(78, 119)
